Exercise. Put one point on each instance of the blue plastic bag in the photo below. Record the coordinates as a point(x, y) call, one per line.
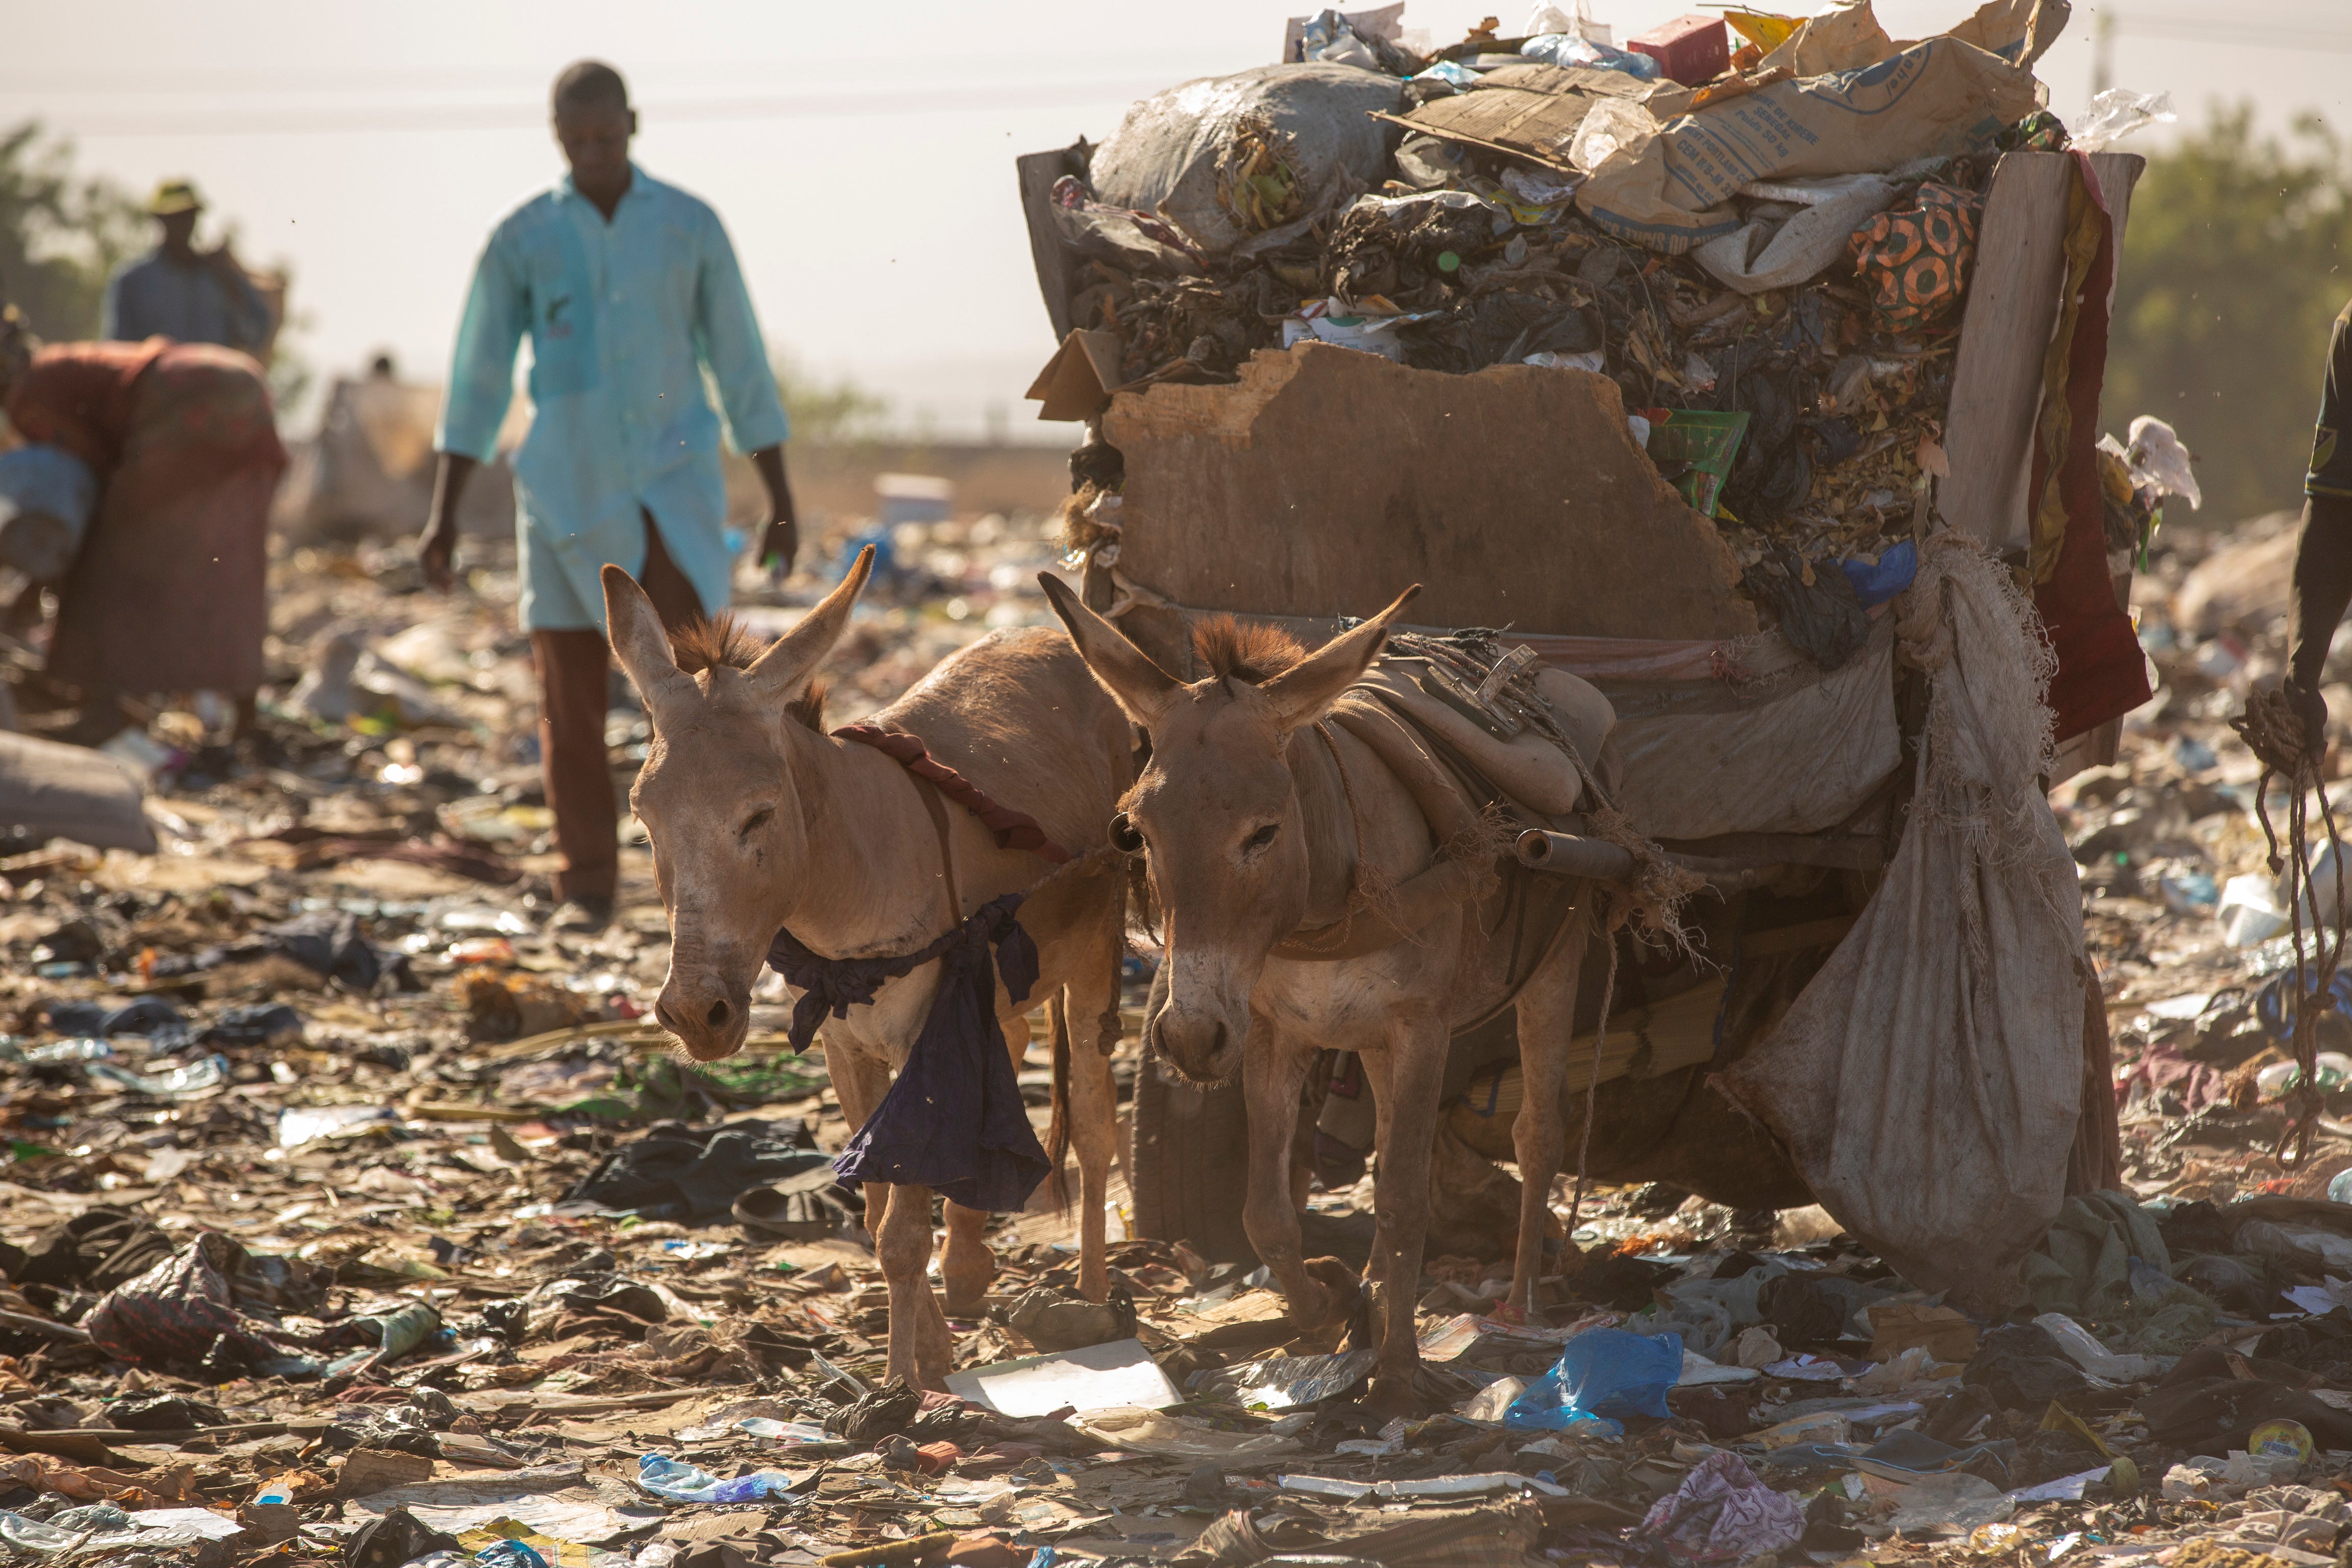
point(509, 1555)
point(1602, 1373)
point(1875, 582)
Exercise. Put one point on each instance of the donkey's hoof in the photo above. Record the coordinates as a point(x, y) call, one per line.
point(1342, 1286)
point(1395, 1394)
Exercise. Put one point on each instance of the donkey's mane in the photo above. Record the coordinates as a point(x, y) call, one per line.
point(724, 641)
point(708, 642)
point(1250, 651)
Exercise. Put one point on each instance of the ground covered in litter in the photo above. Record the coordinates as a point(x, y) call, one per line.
point(354, 1217)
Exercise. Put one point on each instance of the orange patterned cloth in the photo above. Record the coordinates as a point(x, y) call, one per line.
point(1916, 261)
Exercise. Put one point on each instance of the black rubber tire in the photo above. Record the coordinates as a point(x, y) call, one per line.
point(1188, 1160)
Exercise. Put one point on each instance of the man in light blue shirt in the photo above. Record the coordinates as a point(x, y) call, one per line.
point(629, 292)
point(179, 292)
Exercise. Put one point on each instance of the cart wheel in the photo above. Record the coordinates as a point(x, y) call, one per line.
point(1188, 1157)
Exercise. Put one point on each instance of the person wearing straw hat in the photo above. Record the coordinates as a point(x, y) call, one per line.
point(179, 292)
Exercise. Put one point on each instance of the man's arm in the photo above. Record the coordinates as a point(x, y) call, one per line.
point(2323, 591)
point(2323, 555)
point(727, 338)
point(481, 385)
point(779, 542)
point(438, 552)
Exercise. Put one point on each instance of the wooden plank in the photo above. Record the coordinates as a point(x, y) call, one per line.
point(2013, 308)
point(1328, 480)
point(1038, 171)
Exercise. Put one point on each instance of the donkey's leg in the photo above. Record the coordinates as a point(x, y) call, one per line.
point(968, 1267)
point(917, 1334)
point(1415, 1071)
point(1547, 1017)
point(1273, 1068)
point(860, 1079)
point(1316, 1090)
point(899, 1219)
point(1091, 1006)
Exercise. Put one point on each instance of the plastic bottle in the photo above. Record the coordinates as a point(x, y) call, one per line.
point(2333, 1069)
point(2280, 1439)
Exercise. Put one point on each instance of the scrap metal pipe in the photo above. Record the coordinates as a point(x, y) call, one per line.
point(1566, 854)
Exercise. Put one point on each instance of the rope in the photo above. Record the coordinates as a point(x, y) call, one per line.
point(2274, 734)
point(1592, 1083)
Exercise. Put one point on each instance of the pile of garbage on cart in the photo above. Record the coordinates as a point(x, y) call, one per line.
point(1762, 228)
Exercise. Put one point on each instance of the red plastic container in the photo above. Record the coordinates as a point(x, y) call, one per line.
point(1689, 49)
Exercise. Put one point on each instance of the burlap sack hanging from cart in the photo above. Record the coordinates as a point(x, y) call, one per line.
point(1927, 1082)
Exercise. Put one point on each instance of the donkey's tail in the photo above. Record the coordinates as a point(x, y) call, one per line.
point(1058, 1135)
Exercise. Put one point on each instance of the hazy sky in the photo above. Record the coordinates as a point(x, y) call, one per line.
point(862, 160)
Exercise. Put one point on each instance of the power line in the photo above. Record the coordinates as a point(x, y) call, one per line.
point(994, 97)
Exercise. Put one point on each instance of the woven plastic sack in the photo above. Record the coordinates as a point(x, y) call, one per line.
point(1227, 158)
point(1915, 262)
point(1929, 1080)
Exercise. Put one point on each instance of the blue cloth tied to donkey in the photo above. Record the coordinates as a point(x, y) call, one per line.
point(953, 1121)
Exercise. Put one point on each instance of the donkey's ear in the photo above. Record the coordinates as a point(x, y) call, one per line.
point(642, 645)
point(782, 672)
point(1121, 668)
point(1300, 694)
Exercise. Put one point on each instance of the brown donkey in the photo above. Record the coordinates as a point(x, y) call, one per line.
point(1262, 823)
point(761, 822)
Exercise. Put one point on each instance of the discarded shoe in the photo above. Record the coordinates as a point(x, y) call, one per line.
point(801, 1207)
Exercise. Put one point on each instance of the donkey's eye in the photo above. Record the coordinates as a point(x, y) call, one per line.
point(759, 819)
point(1262, 837)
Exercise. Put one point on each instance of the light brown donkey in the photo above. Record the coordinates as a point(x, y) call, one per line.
point(761, 822)
point(1262, 822)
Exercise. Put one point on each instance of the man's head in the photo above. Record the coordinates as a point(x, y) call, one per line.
point(175, 206)
point(593, 124)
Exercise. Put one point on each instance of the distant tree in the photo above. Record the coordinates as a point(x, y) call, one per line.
point(830, 413)
point(2233, 266)
point(60, 234)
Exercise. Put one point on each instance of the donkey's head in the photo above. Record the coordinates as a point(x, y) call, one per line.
point(730, 837)
point(1217, 808)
